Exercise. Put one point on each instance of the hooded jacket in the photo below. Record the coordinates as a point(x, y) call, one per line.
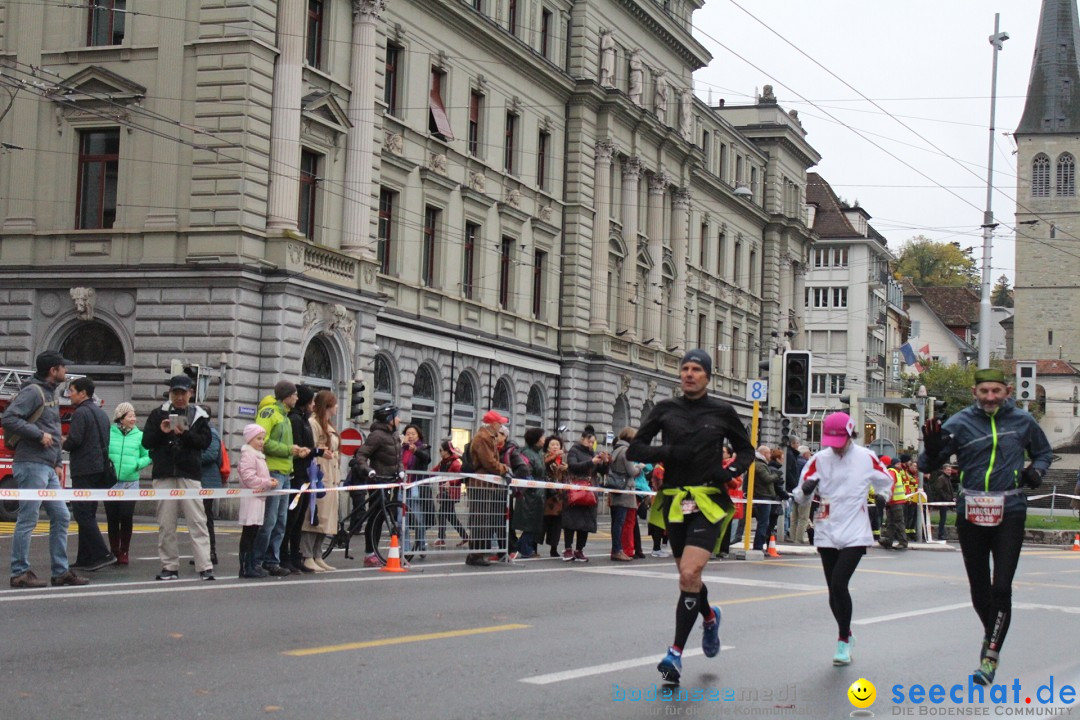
point(273, 417)
point(991, 450)
point(16, 421)
point(127, 453)
point(380, 452)
point(177, 456)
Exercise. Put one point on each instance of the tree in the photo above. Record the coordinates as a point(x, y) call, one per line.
point(951, 383)
point(1001, 296)
point(937, 264)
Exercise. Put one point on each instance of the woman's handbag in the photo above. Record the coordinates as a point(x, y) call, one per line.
point(740, 508)
point(580, 496)
point(108, 474)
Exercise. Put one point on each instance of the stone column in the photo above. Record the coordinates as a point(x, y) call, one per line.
point(680, 239)
point(631, 176)
point(360, 142)
point(598, 320)
point(283, 204)
point(657, 198)
point(799, 341)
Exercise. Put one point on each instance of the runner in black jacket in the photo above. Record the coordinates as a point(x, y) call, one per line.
point(693, 503)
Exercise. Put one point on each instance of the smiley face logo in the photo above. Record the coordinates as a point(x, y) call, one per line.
point(862, 693)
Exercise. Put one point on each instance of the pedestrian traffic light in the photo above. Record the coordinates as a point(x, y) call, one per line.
point(796, 384)
point(356, 400)
point(785, 431)
point(1025, 381)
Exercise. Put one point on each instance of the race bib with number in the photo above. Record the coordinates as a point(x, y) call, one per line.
point(984, 510)
point(822, 511)
point(688, 506)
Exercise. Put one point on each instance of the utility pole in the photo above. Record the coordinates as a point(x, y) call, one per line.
point(997, 40)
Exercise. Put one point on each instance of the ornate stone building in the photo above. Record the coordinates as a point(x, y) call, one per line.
point(486, 203)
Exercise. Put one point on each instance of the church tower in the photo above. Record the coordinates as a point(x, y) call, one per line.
point(1047, 320)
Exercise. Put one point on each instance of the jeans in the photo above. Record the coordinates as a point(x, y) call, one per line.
point(762, 513)
point(275, 517)
point(38, 476)
point(943, 519)
point(526, 544)
point(618, 519)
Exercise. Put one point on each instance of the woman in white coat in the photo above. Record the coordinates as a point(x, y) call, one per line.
point(840, 475)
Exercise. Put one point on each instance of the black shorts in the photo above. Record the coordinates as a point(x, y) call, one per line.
point(695, 531)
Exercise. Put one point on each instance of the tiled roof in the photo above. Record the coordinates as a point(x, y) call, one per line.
point(909, 288)
point(1050, 106)
point(1046, 367)
point(955, 306)
point(829, 220)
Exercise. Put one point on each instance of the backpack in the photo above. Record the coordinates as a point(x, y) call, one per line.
point(11, 439)
point(467, 466)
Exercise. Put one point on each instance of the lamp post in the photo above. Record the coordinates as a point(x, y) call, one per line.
point(997, 40)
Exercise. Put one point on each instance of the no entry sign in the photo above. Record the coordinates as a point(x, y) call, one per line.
point(351, 440)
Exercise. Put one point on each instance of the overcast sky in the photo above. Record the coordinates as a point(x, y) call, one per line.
point(925, 62)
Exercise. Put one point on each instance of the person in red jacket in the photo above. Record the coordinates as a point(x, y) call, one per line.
point(449, 494)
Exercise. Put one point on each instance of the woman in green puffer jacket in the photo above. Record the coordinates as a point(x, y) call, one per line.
point(128, 457)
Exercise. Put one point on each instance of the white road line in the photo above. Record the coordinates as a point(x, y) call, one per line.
point(911, 614)
point(1040, 606)
point(606, 668)
point(712, 579)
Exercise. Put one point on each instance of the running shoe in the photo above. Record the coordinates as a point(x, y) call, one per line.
point(372, 560)
point(984, 675)
point(167, 574)
point(568, 555)
point(710, 638)
point(842, 656)
point(660, 554)
point(580, 556)
point(671, 666)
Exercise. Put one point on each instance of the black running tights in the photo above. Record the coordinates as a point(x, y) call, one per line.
point(839, 565)
point(992, 596)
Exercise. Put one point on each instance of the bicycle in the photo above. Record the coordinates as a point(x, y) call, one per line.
point(381, 515)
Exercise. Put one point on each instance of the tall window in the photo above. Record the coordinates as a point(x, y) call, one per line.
point(1066, 175)
point(737, 265)
point(702, 328)
point(427, 259)
point(545, 33)
point(706, 148)
point(476, 104)
point(511, 16)
point(99, 167)
point(542, 143)
point(386, 229)
point(840, 297)
point(508, 142)
point(840, 257)
point(722, 169)
point(534, 407)
point(505, 250)
point(424, 402)
point(106, 22)
point(314, 33)
point(721, 243)
point(717, 358)
point(703, 253)
point(818, 383)
point(733, 355)
point(468, 260)
point(309, 186)
point(390, 82)
point(539, 259)
point(753, 272)
point(438, 121)
point(1040, 176)
point(385, 386)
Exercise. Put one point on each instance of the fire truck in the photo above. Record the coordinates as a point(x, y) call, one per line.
point(11, 380)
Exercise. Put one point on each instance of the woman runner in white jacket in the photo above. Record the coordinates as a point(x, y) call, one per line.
point(840, 474)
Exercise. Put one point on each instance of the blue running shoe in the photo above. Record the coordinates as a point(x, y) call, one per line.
point(710, 637)
point(984, 675)
point(842, 656)
point(671, 666)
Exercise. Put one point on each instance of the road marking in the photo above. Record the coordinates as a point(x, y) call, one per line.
point(1040, 606)
point(712, 579)
point(911, 614)
point(304, 652)
point(606, 668)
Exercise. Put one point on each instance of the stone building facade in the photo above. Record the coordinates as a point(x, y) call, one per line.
point(495, 203)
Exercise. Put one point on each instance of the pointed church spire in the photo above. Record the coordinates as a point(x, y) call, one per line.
point(1053, 99)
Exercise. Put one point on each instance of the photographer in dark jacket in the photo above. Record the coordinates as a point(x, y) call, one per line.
point(88, 443)
point(305, 438)
point(176, 434)
point(379, 455)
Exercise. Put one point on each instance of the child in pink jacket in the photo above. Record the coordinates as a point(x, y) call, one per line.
point(254, 475)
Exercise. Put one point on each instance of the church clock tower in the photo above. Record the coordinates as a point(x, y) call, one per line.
point(1047, 320)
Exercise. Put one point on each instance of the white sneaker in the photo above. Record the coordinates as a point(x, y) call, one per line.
point(660, 553)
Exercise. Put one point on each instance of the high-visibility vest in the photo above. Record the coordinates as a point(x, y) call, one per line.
point(899, 493)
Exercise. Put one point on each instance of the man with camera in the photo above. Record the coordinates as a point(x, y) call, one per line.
point(176, 434)
point(992, 439)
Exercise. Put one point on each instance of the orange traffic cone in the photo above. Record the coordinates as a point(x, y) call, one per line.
point(772, 547)
point(393, 560)
point(1076, 543)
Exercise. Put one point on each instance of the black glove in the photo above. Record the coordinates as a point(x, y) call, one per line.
point(719, 477)
point(1030, 477)
point(782, 493)
point(809, 487)
point(934, 438)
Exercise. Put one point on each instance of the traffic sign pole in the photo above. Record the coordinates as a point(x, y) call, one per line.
point(748, 514)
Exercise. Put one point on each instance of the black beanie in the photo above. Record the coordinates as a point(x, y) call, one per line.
point(304, 395)
point(700, 357)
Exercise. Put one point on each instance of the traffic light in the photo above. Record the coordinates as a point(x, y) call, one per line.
point(785, 431)
point(356, 400)
point(796, 384)
point(1025, 381)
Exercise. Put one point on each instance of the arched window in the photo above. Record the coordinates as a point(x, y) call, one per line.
point(502, 399)
point(94, 349)
point(1040, 176)
point(425, 403)
point(318, 367)
point(383, 391)
point(1066, 175)
point(534, 407)
point(464, 410)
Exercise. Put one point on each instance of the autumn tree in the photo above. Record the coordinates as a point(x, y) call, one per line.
point(937, 264)
point(1002, 295)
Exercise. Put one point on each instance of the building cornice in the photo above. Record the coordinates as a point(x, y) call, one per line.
point(682, 42)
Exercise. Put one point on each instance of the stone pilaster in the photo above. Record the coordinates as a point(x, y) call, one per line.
point(631, 177)
point(598, 318)
point(284, 201)
point(360, 140)
point(658, 185)
point(680, 239)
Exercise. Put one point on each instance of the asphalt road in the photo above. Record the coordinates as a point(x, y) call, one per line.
point(541, 639)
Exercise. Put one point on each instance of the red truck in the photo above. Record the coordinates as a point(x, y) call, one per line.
point(11, 380)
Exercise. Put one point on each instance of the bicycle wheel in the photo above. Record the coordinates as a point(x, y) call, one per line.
point(378, 534)
point(343, 537)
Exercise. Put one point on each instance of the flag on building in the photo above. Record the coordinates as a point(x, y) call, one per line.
point(908, 353)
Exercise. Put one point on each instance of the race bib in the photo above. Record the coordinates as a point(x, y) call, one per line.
point(688, 506)
point(822, 511)
point(984, 510)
